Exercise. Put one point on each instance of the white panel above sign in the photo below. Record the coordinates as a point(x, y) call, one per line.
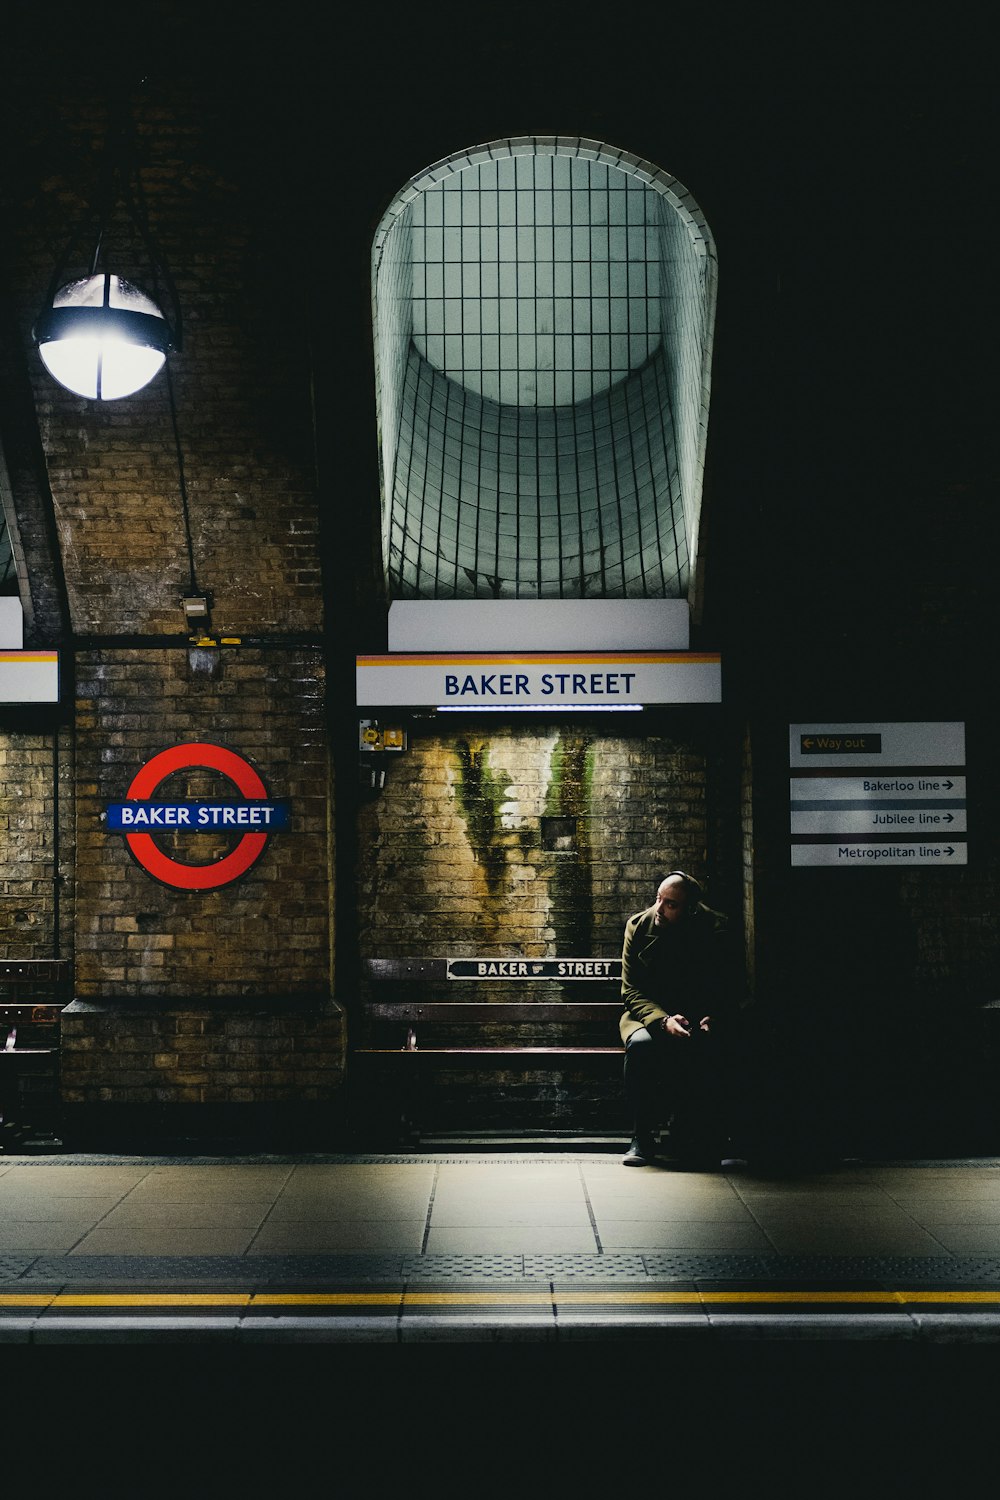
point(539, 625)
point(11, 623)
point(29, 677)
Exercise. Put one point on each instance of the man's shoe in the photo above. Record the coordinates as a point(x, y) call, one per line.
point(641, 1153)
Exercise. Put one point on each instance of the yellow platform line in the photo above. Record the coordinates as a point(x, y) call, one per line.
point(635, 1297)
point(128, 1299)
point(326, 1299)
point(638, 1297)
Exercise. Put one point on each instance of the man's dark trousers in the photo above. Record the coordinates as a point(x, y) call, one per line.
point(680, 1081)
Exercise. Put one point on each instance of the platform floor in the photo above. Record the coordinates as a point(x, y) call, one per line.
point(510, 1246)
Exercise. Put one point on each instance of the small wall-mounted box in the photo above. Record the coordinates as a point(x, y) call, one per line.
point(373, 736)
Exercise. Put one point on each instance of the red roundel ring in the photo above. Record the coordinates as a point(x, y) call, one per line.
point(172, 871)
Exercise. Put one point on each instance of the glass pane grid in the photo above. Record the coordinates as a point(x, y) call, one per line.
point(541, 330)
point(546, 502)
point(562, 255)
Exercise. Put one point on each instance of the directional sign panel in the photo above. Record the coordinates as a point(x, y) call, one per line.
point(907, 808)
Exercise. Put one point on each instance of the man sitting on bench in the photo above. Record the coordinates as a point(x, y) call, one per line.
point(678, 995)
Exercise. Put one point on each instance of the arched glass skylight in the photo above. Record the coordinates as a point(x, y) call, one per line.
point(543, 314)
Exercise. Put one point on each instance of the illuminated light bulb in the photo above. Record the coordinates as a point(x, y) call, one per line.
point(103, 337)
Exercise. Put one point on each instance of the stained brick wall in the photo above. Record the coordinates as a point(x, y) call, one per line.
point(518, 842)
point(36, 844)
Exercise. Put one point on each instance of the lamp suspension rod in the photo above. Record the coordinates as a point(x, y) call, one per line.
point(182, 482)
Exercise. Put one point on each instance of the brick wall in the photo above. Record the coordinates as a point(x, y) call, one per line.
point(229, 988)
point(36, 844)
point(268, 933)
point(513, 841)
point(749, 856)
point(116, 1055)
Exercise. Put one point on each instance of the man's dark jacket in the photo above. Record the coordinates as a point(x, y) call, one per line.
point(675, 968)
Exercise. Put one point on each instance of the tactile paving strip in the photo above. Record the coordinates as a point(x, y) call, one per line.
point(607, 1267)
point(239, 1270)
point(465, 1267)
point(895, 1268)
point(361, 1269)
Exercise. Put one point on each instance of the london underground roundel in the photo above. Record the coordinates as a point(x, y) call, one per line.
point(254, 816)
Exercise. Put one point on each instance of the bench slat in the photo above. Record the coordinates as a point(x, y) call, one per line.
point(405, 968)
point(498, 1010)
point(481, 1037)
point(506, 1051)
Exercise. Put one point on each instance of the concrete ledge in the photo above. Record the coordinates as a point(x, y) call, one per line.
point(219, 1129)
point(272, 1004)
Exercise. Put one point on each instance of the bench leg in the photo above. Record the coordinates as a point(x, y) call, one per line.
point(384, 1107)
point(409, 1106)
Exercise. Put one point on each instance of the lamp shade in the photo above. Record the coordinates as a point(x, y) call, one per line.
point(102, 337)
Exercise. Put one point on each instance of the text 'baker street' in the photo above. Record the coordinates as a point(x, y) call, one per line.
point(519, 684)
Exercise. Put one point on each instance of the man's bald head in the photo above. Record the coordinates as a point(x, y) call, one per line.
point(676, 897)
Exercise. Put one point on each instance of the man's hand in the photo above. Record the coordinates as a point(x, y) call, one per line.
point(680, 1026)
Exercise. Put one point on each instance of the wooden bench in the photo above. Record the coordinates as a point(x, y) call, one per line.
point(409, 1039)
point(33, 993)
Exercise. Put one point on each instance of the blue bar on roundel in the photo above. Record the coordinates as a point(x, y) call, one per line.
point(253, 815)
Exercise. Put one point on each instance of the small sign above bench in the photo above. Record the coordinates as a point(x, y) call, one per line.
point(494, 968)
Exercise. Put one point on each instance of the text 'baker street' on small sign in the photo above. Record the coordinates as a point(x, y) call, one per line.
point(908, 808)
point(534, 968)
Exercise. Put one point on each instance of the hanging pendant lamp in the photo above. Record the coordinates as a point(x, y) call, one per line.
point(101, 335)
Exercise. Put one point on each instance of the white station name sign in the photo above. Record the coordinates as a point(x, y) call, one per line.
point(549, 680)
point(906, 807)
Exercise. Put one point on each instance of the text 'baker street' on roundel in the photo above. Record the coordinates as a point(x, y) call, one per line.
point(174, 872)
